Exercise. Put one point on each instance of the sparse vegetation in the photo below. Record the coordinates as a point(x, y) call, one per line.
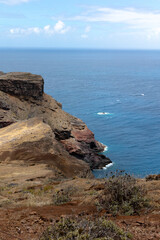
point(38, 191)
point(63, 195)
point(32, 209)
point(122, 195)
point(85, 229)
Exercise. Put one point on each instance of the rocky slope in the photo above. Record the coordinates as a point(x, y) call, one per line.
point(53, 132)
point(33, 142)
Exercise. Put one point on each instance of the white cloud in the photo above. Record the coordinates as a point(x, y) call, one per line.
point(47, 28)
point(59, 28)
point(84, 36)
point(27, 31)
point(13, 2)
point(146, 21)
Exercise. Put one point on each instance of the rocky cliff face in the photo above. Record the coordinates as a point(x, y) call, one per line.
point(22, 98)
point(32, 142)
point(22, 84)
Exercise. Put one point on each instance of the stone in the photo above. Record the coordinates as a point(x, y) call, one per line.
point(22, 84)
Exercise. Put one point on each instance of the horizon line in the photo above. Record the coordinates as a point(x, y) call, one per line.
point(68, 48)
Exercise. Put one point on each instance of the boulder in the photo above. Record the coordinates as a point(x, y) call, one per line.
point(22, 84)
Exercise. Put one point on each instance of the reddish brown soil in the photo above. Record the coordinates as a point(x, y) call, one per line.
point(145, 227)
point(29, 223)
point(17, 221)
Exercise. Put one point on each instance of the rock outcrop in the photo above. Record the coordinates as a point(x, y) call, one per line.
point(22, 98)
point(22, 84)
point(32, 141)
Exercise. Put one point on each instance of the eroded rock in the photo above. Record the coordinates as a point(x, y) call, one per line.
point(22, 84)
point(32, 141)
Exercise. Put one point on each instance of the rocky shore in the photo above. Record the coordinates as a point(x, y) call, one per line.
point(35, 130)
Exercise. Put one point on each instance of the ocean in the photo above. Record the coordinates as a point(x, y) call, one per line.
point(116, 93)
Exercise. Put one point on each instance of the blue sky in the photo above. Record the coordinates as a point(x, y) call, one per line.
point(121, 24)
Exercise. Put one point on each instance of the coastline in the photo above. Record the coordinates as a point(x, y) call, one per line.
point(33, 120)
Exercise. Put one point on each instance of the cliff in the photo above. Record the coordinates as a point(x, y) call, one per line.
point(34, 128)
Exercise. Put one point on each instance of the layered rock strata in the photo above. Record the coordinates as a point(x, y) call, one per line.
point(22, 98)
point(22, 84)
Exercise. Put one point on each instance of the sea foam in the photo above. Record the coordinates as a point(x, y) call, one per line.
point(108, 165)
point(105, 148)
point(104, 113)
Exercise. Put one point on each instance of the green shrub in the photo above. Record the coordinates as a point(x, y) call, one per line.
point(123, 195)
point(84, 229)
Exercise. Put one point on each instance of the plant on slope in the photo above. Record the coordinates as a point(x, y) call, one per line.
point(84, 229)
point(123, 195)
point(63, 195)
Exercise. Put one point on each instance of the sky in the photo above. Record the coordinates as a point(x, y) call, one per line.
point(95, 24)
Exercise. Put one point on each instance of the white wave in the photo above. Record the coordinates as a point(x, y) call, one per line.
point(108, 165)
point(104, 113)
point(139, 94)
point(105, 148)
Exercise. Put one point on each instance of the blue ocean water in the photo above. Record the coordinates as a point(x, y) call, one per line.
point(124, 84)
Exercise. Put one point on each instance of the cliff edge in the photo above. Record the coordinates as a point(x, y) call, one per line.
point(34, 128)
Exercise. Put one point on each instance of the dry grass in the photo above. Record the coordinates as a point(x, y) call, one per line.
point(44, 191)
point(153, 192)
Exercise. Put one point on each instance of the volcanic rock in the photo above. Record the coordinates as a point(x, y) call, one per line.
point(22, 84)
point(32, 141)
point(71, 133)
